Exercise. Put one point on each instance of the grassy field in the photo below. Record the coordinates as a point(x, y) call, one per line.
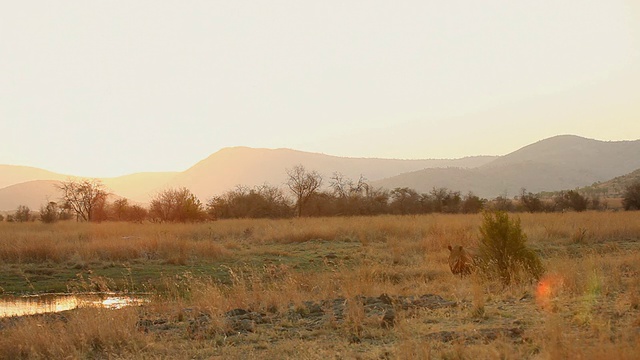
point(361, 288)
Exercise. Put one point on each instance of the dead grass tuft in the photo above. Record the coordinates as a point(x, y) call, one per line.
point(74, 335)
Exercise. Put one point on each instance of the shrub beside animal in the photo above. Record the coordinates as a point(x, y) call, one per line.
point(502, 252)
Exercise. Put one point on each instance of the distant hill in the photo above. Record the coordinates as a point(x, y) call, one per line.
point(13, 174)
point(558, 163)
point(600, 160)
point(229, 167)
point(222, 171)
point(614, 187)
point(139, 187)
point(38, 192)
point(18, 181)
point(31, 193)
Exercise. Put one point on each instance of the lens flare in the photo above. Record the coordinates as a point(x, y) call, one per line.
point(548, 288)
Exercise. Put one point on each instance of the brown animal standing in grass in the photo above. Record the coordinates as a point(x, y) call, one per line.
point(461, 260)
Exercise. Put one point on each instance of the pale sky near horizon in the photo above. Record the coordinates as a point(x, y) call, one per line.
point(108, 88)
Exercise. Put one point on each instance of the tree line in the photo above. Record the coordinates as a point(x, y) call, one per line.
point(303, 195)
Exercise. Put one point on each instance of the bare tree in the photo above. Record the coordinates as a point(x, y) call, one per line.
point(344, 187)
point(349, 196)
point(340, 185)
point(83, 197)
point(303, 184)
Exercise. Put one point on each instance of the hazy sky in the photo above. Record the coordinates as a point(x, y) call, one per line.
point(106, 88)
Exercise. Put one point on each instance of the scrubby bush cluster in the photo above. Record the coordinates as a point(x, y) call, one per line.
point(87, 200)
point(264, 201)
point(503, 252)
point(631, 199)
point(22, 214)
point(176, 205)
point(49, 213)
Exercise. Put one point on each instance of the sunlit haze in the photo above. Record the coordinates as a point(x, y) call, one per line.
point(107, 88)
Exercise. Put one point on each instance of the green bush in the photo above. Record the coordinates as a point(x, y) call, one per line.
point(503, 252)
point(631, 199)
point(49, 213)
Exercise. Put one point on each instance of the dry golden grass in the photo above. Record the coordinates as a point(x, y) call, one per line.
point(79, 334)
point(64, 241)
point(587, 306)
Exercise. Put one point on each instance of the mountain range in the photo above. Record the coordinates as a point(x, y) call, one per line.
point(557, 163)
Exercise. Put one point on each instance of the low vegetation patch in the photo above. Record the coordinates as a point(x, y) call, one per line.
point(503, 250)
point(316, 288)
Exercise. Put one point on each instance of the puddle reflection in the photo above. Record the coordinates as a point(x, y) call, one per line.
point(30, 305)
